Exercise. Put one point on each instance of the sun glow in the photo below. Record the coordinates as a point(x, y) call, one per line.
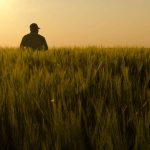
point(5, 5)
point(2, 3)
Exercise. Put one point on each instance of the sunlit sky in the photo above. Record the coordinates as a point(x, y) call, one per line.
point(77, 22)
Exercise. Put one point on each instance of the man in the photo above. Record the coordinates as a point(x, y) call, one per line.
point(33, 40)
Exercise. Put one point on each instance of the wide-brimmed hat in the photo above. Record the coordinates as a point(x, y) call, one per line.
point(34, 26)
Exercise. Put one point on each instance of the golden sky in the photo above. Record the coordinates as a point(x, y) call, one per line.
point(77, 22)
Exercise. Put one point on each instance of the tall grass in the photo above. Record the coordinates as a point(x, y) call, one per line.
point(75, 98)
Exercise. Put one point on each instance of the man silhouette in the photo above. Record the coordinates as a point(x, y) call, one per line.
point(34, 40)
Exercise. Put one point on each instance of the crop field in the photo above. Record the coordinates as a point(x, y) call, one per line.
point(75, 99)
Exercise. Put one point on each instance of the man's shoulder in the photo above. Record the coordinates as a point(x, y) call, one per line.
point(41, 37)
point(26, 36)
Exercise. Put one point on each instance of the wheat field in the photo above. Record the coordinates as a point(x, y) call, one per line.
point(75, 99)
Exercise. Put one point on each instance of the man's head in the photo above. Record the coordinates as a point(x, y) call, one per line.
point(34, 28)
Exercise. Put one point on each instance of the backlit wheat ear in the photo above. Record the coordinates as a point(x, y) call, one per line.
point(52, 101)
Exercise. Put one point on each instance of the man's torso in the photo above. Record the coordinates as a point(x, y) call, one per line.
point(34, 41)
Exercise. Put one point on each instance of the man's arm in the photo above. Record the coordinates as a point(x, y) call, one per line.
point(23, 43)
point(45, 44)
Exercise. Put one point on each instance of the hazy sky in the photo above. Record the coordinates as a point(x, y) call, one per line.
point(77, 22)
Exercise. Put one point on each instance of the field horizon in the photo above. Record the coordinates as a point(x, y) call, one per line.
point(84, 47)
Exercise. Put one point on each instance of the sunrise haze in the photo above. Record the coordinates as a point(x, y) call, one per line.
point(77, 22)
